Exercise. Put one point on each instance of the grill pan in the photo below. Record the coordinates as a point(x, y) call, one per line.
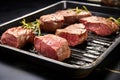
point(85, 57)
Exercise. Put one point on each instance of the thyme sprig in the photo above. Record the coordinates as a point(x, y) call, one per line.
point(35, 26)
point(77, 10)
point(25, 25)
point(84, 8)
point(117, 21)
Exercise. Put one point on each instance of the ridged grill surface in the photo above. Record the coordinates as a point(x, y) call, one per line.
point(89, 51)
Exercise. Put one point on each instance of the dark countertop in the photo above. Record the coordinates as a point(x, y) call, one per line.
point(17, 69)
point(14, 9)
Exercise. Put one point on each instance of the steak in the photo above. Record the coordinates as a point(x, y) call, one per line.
point(71, 16)
point(99, 25)
point(51, 22)
point(52, 46)
point(17, 36)
point(83, 14)
point(75, 34)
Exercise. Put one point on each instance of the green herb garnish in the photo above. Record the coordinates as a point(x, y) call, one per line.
point(84, 8)
point(25, 25)
point(117, 21)
point(35, 26)
point(77, 10)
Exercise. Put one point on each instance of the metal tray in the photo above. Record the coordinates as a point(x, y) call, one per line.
point(84, 58)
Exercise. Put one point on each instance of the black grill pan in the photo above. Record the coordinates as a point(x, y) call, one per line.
point(85, 57)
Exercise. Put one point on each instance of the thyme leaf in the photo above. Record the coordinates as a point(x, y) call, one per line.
point(117, 21)
point(35, 26)
point(25, 25)
point(84, 8)
point(77, 10)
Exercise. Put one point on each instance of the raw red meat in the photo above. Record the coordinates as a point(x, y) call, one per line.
point(52, 46)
